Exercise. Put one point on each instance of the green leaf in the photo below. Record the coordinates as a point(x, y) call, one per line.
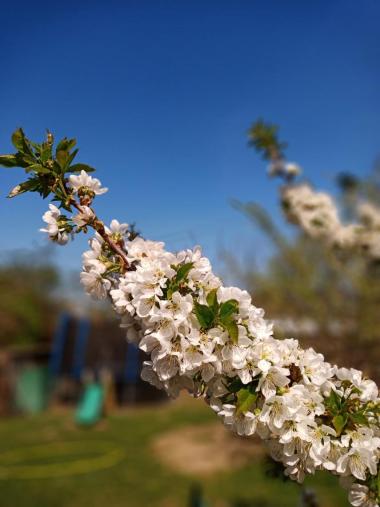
point(62, 158)
point(26, 160)
point(212, 300)
point(37, 147)
point(31, 185)
point(45, 152)
point(44, 189)
point(170, 291)
point(39, 169)
point(9, 161)
point(77, 168)
point(227, 309)
point(232, 329)
point(66, 144)
point(183, 272)
point(339, 422)
point(72, 156)
point(18, 139)
point(359, 418)
point(245, 400)
point(204, 315)
point(180, 277)
point(16, 160)
point(333, 402)
point(21, 143)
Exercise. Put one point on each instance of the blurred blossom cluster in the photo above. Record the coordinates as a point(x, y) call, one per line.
point(317, 215)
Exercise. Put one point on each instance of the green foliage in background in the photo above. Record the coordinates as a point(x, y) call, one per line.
point(27, 308)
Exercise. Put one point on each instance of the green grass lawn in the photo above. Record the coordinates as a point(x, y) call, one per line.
point(137, 479)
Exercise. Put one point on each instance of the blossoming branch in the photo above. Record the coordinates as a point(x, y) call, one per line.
point(316, 213)
point(209, 339)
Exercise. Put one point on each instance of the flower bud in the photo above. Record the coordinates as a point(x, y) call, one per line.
point(15, 191)
point(49, 137)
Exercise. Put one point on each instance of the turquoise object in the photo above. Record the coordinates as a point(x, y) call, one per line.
point(90, 407)
point(31, 391)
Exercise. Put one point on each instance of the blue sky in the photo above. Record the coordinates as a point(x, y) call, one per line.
point(160, 94)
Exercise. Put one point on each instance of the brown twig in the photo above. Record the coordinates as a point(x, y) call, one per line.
point(98, 226)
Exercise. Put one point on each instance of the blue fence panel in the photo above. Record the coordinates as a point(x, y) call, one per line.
point(58, 345)
point(82, 334)
point(132, 364)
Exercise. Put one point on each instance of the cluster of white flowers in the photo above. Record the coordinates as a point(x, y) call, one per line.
point(212, 341)
point(317, 215)
point(59, 227)
point(56, 225)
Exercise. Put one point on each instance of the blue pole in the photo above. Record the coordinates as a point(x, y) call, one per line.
point(131, 373)
point(132, 365)
point(82, 334)
point(58, 345)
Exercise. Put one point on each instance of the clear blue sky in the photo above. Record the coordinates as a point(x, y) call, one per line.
point(160, 94)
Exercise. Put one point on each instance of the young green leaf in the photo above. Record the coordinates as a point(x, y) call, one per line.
point(333, 402)
point(183, 272)
point(38, 168)
point(62, 157)
point(72, 156)
point(9, 161)
point(45, 153)
point(359, 418)
point(204, 315)
point(245, 400)
point(212, 300)
point(31, 185)
point(65, 144)
point(339, 422)
point(21, 143)
point(18, 139)
point(170, 291)
point(25, 160)
point(37, 146)
point(227, 309)
point(232, 329)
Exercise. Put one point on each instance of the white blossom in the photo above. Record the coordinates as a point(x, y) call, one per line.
point(357, 461)
point(85, 216)
point(361, 496)
point(56, 225)
point(93, 281)
point(87, 182)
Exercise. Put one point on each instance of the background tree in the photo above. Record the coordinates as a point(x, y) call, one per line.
point(27, 308)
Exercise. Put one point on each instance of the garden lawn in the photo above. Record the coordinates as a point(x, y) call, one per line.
point(138, 479)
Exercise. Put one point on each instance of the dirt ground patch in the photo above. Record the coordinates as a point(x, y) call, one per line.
point(205, 449)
